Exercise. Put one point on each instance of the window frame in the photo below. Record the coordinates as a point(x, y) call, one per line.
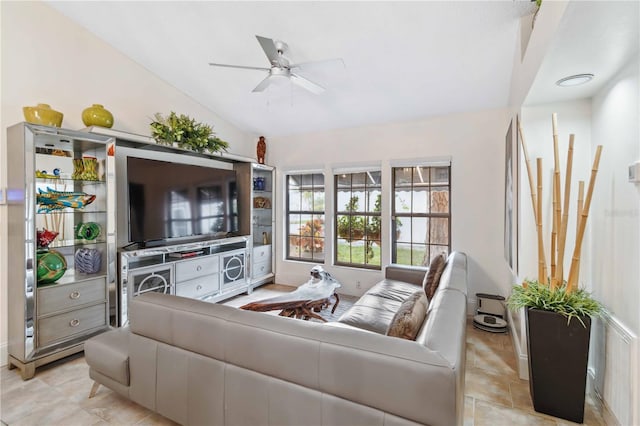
point(312, 213)
point(366, 214)
point(411, 214)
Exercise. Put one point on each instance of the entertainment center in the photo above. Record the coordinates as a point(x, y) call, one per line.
point(210, 270)
point(111, 215)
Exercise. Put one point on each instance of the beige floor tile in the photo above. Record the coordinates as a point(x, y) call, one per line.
point(521, 395)
point(493, 415)
point(480, 384)
point(498, 361)
point(61, 414)
point(468, 411)
point(155, 419)
point(114, 409)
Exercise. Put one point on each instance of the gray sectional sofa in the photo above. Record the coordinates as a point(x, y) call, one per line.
point(207, 364)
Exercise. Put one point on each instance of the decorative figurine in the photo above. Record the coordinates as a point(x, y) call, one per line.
point(51, 200)
point(87, 230)
point(51, 264)
point(88, 260)
point(261, 149)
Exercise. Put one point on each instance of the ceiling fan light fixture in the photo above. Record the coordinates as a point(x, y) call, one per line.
point(574, 80)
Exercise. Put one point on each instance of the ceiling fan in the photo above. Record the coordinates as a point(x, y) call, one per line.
point(280, 67)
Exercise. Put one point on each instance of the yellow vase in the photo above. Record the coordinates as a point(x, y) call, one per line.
point(96, 115)
point(42, 114)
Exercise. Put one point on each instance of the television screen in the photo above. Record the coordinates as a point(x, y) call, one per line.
point(176, 200)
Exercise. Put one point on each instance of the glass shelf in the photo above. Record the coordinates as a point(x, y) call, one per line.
point(76, 242)
point(66, 211)
point(68, 181)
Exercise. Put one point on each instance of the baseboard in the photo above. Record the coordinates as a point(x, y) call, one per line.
point(4, 354)
point(518, 351)
point(608, 417)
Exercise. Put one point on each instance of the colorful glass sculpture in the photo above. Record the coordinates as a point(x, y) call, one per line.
point(51, 200)
point(87, 230)
point(51, 266)
point(45, 237)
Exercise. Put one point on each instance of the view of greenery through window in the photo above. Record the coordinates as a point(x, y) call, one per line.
point(357, 219)
point(305, 217)
point(421, 212)
point(420, 225)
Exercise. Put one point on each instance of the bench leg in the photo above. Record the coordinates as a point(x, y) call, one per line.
point(94, 389)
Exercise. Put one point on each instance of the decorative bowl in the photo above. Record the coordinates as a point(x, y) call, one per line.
point(96, 115)
point(43, 114)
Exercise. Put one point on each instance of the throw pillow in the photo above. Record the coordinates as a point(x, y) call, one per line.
point(407, 321)
point(432, 277)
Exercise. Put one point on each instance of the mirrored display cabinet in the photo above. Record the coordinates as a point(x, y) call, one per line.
point(62, 242)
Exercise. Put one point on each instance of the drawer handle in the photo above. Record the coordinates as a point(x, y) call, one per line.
point(198, 268)
point(198, 287)
point(74, 322)
point(74, 295)
point(262, 253)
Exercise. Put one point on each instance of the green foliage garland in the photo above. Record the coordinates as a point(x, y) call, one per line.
point(186, 132)
point(574, 304)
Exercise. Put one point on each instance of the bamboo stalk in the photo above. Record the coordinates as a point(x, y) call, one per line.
point(562, 239)
point(529, 173)
point(557, 200)
point(554, 235)
point(575, 261)
point(542, 263)
point(578, 218)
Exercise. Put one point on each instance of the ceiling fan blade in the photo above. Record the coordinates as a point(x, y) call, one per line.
point(263, 85)
point(306, 84)
point(239, 66)
point(270, 49)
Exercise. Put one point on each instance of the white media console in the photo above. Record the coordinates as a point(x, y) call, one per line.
point(210, 270)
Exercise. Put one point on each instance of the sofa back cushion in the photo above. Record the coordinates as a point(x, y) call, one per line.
point(409, 318)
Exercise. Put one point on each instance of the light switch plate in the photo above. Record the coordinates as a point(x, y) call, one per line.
point(634, 172)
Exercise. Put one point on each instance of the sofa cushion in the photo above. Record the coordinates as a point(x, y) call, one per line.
point(375, 310)
point(368, 318)
point(393, 290)
point(432, 277)
point(407, 321)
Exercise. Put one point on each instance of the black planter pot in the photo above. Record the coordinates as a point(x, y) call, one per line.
point(558, 354)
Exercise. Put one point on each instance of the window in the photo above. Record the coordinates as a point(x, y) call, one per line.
point(305, 217)
point(179, 213)
point(421, 214)
point(357, 219)
point(213, 214)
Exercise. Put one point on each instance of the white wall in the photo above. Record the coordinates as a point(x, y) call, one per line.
point(615, 271)
point(47, 58)
point(573, 118)
point(476, 144)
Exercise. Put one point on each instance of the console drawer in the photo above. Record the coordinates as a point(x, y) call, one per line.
point(68, 296)
point(198, 287)
point(61, 326)
point(261, 253)
point(194, 268)
point(261, 268)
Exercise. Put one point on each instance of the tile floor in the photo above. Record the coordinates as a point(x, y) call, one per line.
point(57, 395)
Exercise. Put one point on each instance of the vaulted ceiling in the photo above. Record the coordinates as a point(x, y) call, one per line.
point(402, 60)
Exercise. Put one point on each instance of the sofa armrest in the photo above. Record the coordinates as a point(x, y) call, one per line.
point(408, 274)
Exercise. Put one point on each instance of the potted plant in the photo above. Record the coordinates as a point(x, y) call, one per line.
point(557, 313)
point(186, 133)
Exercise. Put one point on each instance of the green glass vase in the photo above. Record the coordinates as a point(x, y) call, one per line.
point(96, 115)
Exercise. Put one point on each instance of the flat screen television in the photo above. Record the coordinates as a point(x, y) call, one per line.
point(170, 201)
